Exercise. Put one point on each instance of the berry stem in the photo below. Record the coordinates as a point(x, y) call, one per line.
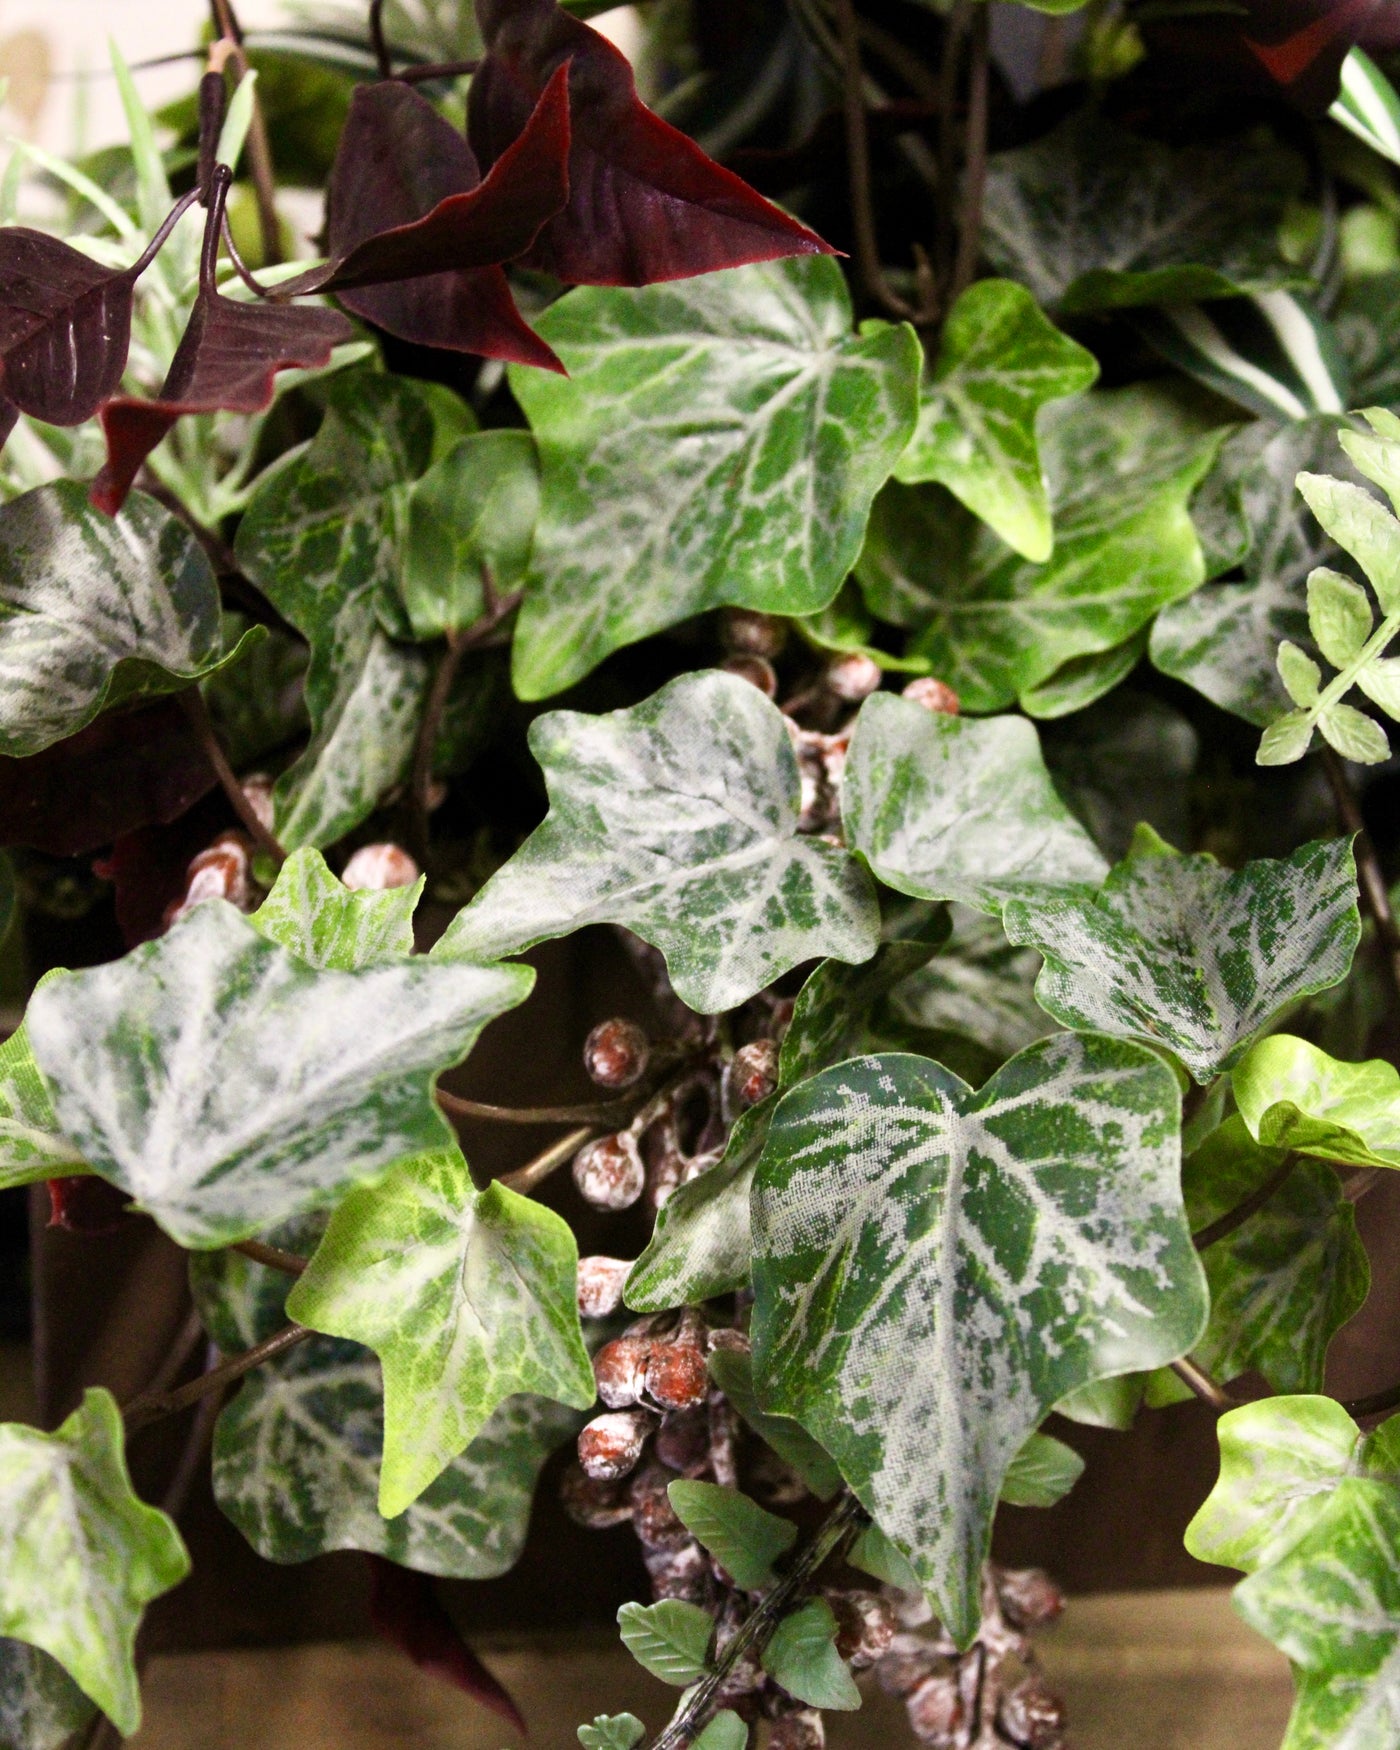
point(153, 1406)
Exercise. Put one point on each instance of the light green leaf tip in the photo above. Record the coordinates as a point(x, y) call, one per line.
point(744, 1538)
point(612, 1732)
point(31, 1145)
point(1293, 1095)
point(320, 920)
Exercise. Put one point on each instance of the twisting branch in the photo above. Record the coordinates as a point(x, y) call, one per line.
point(975, 155)
point(194, 707)
point(598, 1113)
point(153, 1406)
point(1234, 1218)
point(1368, 864)
point(845, 1519)
point(259, 149)
point(1205, 1388)
point(436, 70)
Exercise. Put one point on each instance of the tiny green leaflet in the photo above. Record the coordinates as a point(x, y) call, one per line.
point(1293, 1095)
point(801, 1657)
point(904, 1226)
point(677, 818)
point(670, 1639)
point(744, 1538)
point(320, 920)
point(80, 1555)
point(717, 440)
point(1042, 1473)
point(612, 1732)
point(725, 1731)
point(1000, 361)
point(1177, 951)
point(227, 1084)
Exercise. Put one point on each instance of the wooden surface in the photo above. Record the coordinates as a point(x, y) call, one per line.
point(1140, 1671)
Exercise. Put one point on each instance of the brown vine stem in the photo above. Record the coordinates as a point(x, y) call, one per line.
point(1235, 1218)
point(975, 156)
point(1368, 864)
point(152, 1406)
point(1205, 1388)
point(259, 147)
point(524, 1179)
point(289, 1263)
point(845, 1519)
point(1362, 1181)
point(1375, 1405)
point(378, 41)
point(600, 1113)
point(194, 707)
point(436, 70)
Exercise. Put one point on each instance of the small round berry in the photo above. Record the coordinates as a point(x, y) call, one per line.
point(683, 1442)
point(609, 1446)
point(620, 1368)
point(854, 677)
point(373, 868)
point(935, 696)
point(592, 1503)
point(936, 1712)
point(1028, 1596)
point(799, 1730)
point(753, 1074)
point(1031, 1715)
point(609, 1172)
point(864, 1626)
point(677, 1377)
point(654, 1519)
point(220, 872)
point(679, 1573)
point(600, 1284)
point(757, 671)
point(615, 1054)
point(747, 633)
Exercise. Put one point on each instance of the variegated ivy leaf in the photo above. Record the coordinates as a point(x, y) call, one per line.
point(1285, 1281)
point(467, 1297)
point(31, 1145)
point(1121, 466)
point(935, 1268)
point(297, 1452)
point(226, 1084)
point(96, 609)
point(955, 808)
point(999, 362)
point(1092, 218)
point(40, 1705)
point(1292, 1095)
point(1182, 953)
point(718, 440)
point(701, 1245)
point(677, 818)
point(80, 1555)
point(1080, 682)
point(732, 1372)
point(321, 539)
point(314, 915)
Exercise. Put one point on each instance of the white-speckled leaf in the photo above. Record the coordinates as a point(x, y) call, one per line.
point(320, 920)
point(40, 1705)
point(228, 1085)
point(956, 808)
point(678, 819)
point(467, 1297)
point(718, 440)
point(935, 1268)
point(1180, 952)
point(80, 1555)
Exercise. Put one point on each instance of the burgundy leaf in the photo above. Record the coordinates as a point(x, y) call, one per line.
point(645, 203)
point(398, 161)
point(405, 1610)
point(65, 327)
point(149, 868)
point(9, 413)
point(86, 1205)
point(1293, 47)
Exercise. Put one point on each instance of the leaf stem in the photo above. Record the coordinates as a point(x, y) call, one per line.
point(524, 1179)
point(1235, 1218)
point(273, 1257)
point(845, 1519)
point(1368, 864)
point(1375, 1405)
point(378, 41)
point(194, 707)
point(1205, 1388)
point(437, 70)
point(600, 1113)
point(153, 1406)
point(259, 147)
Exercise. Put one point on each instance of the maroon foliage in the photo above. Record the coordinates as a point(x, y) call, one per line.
point(86, 1205)
point(406, 1611)
point(1293, 46)
point(645, 203)
point(65, 327)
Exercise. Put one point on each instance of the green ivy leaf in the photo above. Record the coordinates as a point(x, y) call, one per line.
point(677, 818)
point(467, 1297)
point(40, 1705)
point(743, 1537)
point(903, 1225)
point(1093, 218)
point(321, 539)
point(1078, 683)
point(952, 808)
point(1042, 1473)
point(1177, 951)
point(802, 1658)
point(31, 1145)
point(95, 610)
point(320, 920)
point(82, 1556)
point(227, 1085)
point(612, 1732)
point(732, 1372)
point(670, 1639)
point(718, 440)
point(999, 362)
point(1284, 1282)
point(1292, 1095)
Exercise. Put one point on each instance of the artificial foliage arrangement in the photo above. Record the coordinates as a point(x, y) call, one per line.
point(901, 542)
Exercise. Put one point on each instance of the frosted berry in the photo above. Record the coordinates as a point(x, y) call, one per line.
point(865, 1626)
point(750, 634)
point(1032, 1716)
point(854, 677)
point(907, 1662)
point(609, 1446)
point(591, 1502)
point(600, 1284)
point(683, 1442)
point(800, 1730)
point(753, 1074)
point(679, 1573)
point(376, 867)
point(257, 788)
point(935, 696)
point(620, 1368)
point(615, 1054)
point(654, 1519)
point(220, 872)
point(757, 671)
point(1028, 1596)
point(609, 1172)
point(677, 1377)
point(936, 1712)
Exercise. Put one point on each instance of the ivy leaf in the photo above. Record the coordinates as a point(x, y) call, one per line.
point(1291, 1095)
point(82, 1555)
point(670, 1639)
point(744, 1538)
point(980, 987)
point(227, 1084)
point(732, 1372)
point(645, 203)
point(31, 1145)
point(1093, 218)
point(801, 1658)
point(65, 326)
point(770, 427)
point(467, 1297)
point(952, 808)
point(612, 1732)
point(1083, 680)
point(1042, 1473)
point(1285, 1281)
point(318, 918)
point(999, 362)
point(678, 819)
point(903, 1225)
point(95, 611)
point(1177, 951)
point(40, 1705)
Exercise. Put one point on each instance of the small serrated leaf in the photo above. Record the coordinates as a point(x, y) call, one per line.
point(612, 1732)
point(1362, 526)
point(726, 1731)
point(1354, 735)
point(1376, 453)
point(1339, 618)
point(1299, 673)
point(873, 1553)
point(744, 1538)
point(1286, 740)
point(670, 1639)
point(1379, 679)
point(802, 1658)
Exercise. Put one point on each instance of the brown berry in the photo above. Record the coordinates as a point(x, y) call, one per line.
point(609, 1171)
point(654, 1519)
point(677, 1377)
point(615, 1053)
point(906, 1663)
point(753, 1074)
point(1028, 1596)
point(936, 1713)
point(750, 634)
point(1032, 1716)
point(374, 868)
point(600, 1284)
point(593, 1503)
point(757, 671)
point(799, 1730)
point(864, 1626)
point(620, 1368)
point(683, 1441)
point(679, 1573)
point(854, 677)
point(220, 872)
point(610, 1445)
point(935, 696)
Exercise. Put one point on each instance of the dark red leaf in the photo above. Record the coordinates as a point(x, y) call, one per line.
point(65, 327)
point(9, 413)
point(1295, 47)
point(645, 203)
point(87, 1205)
point(405, 1610)
point(399, 160)
point(228, 358)
point(149, 868)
